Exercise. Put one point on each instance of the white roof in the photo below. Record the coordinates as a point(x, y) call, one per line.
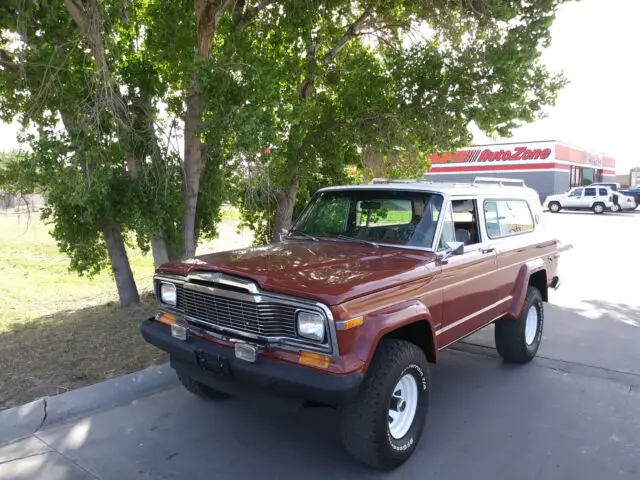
point(491, 187)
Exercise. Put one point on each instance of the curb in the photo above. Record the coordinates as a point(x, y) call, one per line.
point(44, 412)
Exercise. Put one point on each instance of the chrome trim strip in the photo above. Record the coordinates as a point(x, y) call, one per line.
point(222, 279)
point(264, 297)
point(475, 314)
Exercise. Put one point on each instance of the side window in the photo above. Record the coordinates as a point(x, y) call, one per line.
point(507, 217)
point(590, 192)
point(465, 221)
point(602, 192)
point(576, 192)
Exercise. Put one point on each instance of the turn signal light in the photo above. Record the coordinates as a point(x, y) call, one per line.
point(314, 360)
point(166, 318)
point(354, 322)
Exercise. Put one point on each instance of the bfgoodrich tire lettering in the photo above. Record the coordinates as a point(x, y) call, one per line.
point(511, 335)
point(365, 429)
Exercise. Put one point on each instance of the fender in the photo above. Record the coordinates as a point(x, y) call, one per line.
point(386, 320)
point(522, 284)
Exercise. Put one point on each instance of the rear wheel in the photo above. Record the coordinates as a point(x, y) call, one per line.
point(201, 390)
point(383, 425)
point(598, 207)
point(616, 207)
point(518, 340)
point(554, 207)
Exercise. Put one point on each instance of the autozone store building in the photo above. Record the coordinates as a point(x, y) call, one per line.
point(547, 166)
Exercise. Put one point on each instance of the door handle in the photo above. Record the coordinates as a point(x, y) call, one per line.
point(487, 250)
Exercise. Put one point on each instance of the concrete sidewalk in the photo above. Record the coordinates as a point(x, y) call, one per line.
point(23, 454)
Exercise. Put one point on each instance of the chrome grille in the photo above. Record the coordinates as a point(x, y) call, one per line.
point(266, 319)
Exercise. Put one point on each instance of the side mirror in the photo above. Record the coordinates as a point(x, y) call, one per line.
point(453, 248)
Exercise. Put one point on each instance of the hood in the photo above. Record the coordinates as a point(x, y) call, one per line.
point(331, 272)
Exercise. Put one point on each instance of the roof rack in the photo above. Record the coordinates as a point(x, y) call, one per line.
point(395, 180)
point(499, 181)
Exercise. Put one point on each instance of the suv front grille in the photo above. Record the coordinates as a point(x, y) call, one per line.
point(265, 319)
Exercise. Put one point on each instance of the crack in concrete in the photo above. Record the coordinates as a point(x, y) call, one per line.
point(4, 462)
point(551, 359)
point(44, 416)
point(627, 379)
point(68, 459)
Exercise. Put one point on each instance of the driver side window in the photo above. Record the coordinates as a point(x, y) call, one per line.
point(576, 193)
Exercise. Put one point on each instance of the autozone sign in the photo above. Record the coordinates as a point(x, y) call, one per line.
point(492, 155)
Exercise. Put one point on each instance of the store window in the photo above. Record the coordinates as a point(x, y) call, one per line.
point(576, 177)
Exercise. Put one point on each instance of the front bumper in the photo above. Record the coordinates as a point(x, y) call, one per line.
point(241, 378)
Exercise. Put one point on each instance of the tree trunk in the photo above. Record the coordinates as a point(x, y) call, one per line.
point(193, 166)
point(125, 283)
point(284, 209)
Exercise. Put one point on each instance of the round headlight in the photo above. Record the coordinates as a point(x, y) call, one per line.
point(311, 325)
point(168, 294)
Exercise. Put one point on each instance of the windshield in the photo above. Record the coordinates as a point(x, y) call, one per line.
point(380, 216)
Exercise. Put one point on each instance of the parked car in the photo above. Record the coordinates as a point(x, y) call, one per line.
point(633, 192)
point(597, 199)
point(356, 300)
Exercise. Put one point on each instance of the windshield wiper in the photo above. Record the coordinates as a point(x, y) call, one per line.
point(302, 234)
point(354, 239)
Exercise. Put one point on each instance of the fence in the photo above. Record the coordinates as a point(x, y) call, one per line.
point(10, 202)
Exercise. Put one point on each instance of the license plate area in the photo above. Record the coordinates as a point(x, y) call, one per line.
point(213, 363)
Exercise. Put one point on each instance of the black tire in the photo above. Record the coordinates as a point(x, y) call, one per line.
point(555, 207)
point(616, 208)
point(510, 334)
point(598, 208)
point(365, 421)
point(201, 390)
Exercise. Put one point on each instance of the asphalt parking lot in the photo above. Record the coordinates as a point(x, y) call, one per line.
point(573, 413)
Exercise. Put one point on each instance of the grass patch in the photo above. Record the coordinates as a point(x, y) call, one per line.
point(59, 331)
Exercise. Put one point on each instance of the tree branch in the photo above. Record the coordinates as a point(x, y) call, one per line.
point(362, 121)
point(244, 20)
point(351, 32)
point(208, 14)
point(8, 62)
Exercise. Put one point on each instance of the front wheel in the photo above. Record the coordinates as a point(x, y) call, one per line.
point(554, 207)
point(382, 426)
point(518, 340)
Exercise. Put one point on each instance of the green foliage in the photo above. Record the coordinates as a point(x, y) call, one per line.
point(283, 83)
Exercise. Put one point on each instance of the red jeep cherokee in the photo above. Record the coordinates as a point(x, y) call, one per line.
point(358, 298)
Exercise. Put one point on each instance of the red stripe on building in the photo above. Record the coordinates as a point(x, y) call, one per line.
point(497, 168)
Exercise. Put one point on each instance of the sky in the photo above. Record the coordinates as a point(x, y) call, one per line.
point(596, 44)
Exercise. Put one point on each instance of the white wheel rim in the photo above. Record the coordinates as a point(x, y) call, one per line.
point(554, 207)
point(531, 325)
point(404, 403)
point(598, 208)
